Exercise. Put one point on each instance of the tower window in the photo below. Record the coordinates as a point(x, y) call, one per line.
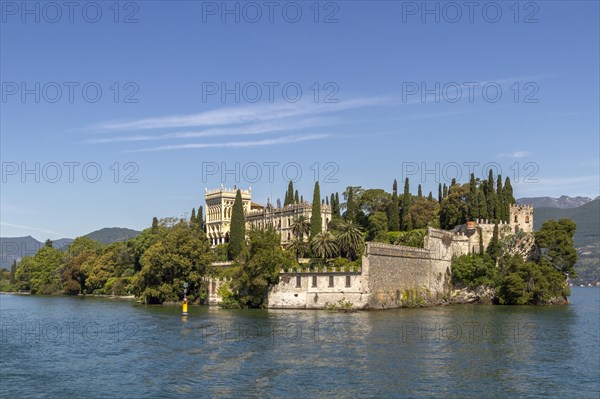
point(314, 281)
point(527, 219)
point(298, 281)
point(331, 281)
point(347, 281)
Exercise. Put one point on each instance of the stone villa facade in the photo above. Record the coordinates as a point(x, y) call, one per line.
point(219, 205)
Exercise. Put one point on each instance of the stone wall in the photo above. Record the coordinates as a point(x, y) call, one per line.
point(299, 291)
point(402, 276)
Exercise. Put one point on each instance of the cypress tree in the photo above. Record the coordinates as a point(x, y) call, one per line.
point(315, 219)
point(237, 232)
point(296, 199)
point(200, 218)
point(493, 248)
point(302, 199)
point(327, 200)
point(332, 202)
point(419, 192)
point(440, 195)
point(430, 196)
point(289, 194)
point(445, 192)
point(507, 193)
point(406, 200)
point(491, 196)
point(351, 207)
point(500, 205)
point(13, 270)
point(154, 225)
point(393, 211)
point(48, 243)
point(336, 210)
point(193, 218)
point(473, 205)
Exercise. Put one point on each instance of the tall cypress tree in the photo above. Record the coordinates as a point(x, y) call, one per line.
point(405, 222)
point(491, 196)
point(500, 203)
point(419, 192)
point(154, 225)
point(393, 211)
point(493, 248)
point(200, 218)
point(296, 198)
point(289, 194)
point(481, 249)
point(332, 202)
point(327, 200)
point(440, 195)
point(430, 196)
point(315, 220)
point(351, 206)
point(473, 205)
point(237, 232)
point(336, 210)
point(508, 193)
point(193, 218)
point(445, 192)
point(395, 188)
point(13, 270)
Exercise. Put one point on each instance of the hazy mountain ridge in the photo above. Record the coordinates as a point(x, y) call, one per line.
point(14, 248)
point(562, 202)
point(587, 235)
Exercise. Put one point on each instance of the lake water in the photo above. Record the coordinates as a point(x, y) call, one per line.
point(64, 347)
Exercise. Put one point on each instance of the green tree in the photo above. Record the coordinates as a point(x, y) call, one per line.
point(183, 255)
point(238, 227)
point(501, 206)
point(45, 277)
point(48, 243)
point(258, 268)
point(454, 210)
point(296, 198)
point(555, 239)
point(25, 268)
point(336, 209)
point(316, 222)
point(289, 194)
point(298, 247)
point(419, 192)
point(193, 218)
point(154, 225)
point(301, 227)
point(440, 195)
point(13, 270)
point(473, 271)
point(351, 205)
point(378, 227)
point(405, 222)
point(349, 239)
point(82, 250)
point(422, 213)
point(494, 248)
point(323, 245)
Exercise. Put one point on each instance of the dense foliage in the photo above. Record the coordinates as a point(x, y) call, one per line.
point(517, 281)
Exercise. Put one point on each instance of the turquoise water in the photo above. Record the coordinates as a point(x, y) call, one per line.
point(65, 347)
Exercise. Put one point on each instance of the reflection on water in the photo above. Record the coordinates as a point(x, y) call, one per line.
point(62, 347)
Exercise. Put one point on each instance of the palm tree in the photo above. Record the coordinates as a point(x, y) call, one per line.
point(298, 247)
point(300, 226)
point(350, 238)
point(323, 245)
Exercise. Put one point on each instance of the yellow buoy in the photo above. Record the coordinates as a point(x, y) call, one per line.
point(184, 307)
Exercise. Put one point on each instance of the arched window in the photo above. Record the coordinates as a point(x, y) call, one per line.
point(516, 219)
point(527, 219)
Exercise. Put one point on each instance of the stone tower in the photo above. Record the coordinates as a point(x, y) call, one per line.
point(521, 218)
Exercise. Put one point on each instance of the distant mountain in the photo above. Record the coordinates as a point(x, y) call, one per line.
point(563, 202)
point(587, 235)
point(108, 235)
point(15, 248)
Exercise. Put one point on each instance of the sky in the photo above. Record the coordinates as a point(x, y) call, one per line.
point(112, 113)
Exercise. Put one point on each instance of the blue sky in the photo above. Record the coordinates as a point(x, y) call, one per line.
point(387, 91)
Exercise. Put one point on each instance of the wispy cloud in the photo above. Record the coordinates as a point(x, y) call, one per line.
point(516, 154)
point(236, 115)
point(238, 144)
point(30, 228)
point(251, 129)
